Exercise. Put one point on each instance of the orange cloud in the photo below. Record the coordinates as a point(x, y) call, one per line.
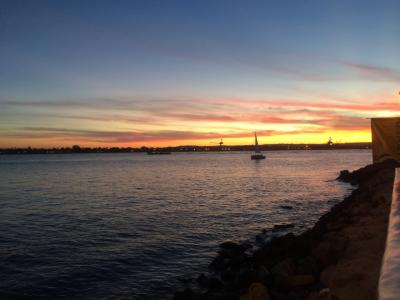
point(137, 122)
point(136, 137)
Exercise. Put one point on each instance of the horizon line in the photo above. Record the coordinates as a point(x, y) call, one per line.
point(202, 146)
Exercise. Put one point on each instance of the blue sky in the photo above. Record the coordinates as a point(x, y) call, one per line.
point(66, 64)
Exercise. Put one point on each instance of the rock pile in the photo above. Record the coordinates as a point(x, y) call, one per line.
point(339, 258)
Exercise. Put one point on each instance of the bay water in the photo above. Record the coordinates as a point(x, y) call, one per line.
point(130, 226)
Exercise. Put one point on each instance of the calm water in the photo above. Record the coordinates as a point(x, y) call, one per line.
point(106, 226)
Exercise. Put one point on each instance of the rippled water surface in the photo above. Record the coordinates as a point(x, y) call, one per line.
point(109, 226)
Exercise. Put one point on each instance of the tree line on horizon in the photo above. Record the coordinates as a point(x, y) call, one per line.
point(186, 148)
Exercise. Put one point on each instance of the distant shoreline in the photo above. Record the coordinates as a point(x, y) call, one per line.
point(188, 148)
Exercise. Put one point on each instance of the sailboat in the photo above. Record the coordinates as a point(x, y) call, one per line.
point(257, 153)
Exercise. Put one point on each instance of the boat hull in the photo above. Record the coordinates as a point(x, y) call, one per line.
point(258, 156)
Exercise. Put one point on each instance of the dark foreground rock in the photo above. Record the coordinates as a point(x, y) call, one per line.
point(339, 258)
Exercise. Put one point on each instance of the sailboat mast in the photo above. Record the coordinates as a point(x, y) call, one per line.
point(256, 148)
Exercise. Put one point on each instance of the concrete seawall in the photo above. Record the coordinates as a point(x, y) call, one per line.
point(389, 288)
point(339, 258)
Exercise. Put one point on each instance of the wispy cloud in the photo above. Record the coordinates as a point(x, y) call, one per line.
point(374, 72)
point(141, 121)
point(316, 105)
point(343, 122)
point(197, 108)
point(133, 136)
point(121, 104)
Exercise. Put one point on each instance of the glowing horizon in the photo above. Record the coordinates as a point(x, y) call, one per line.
point(139, 74)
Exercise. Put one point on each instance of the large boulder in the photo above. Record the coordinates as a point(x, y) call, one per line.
point(324, 294)
point(231, 255)
point(256, 291)
point(367, 172)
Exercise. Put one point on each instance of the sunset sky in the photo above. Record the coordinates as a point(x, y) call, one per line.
point(166, 73)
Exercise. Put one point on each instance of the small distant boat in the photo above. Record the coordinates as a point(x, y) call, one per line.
point(257, 153)
point(158, 152)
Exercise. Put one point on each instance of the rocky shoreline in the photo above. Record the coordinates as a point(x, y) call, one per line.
point(339, 258)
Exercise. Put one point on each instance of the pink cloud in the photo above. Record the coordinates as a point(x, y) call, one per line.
point(375, 72)
point(317, 105)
